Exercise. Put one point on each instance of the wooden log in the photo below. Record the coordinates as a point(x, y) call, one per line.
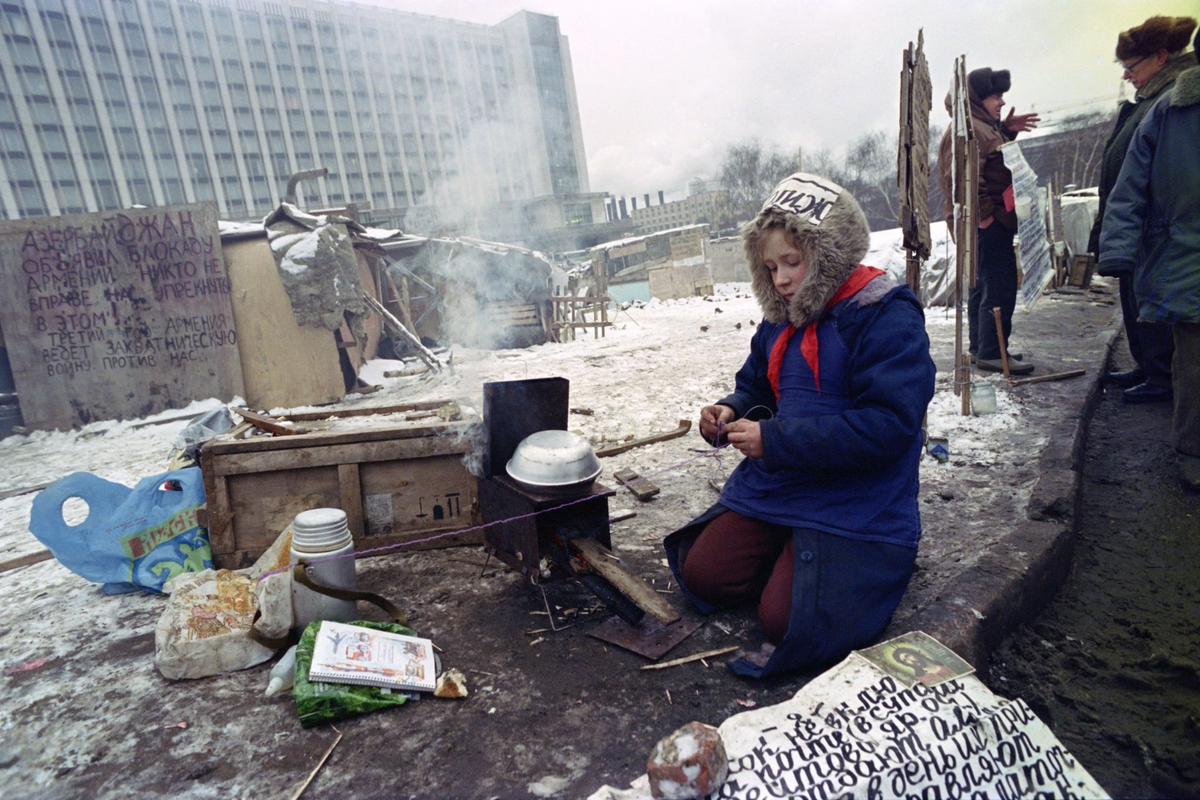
point(684, 427)
point(631, 586)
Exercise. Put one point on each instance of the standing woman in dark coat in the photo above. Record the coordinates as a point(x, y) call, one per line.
point(1152, 55)
point(819, 523)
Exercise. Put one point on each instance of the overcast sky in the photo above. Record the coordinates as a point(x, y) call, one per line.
point(665, 86)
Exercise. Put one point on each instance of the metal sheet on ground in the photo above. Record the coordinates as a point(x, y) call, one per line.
point(649, 638)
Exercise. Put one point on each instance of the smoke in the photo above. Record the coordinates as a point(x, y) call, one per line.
point(491, 298)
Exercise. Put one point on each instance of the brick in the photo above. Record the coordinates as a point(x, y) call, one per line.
point(689, 763)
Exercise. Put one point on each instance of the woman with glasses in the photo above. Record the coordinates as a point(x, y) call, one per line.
point(1152, 56)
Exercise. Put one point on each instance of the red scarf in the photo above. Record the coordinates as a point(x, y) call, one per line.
point(861, 276)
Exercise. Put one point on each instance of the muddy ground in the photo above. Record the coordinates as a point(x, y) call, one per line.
point(1112, 664)
point(551, 713)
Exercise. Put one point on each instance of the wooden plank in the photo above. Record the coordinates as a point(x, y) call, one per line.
point(350, 488)
point(364, 412)
point(25, 560)
point(626, 582)
point(620, 516)
point(116, 314)
point(418, 497)
point(423, 352)
point(223, 445)
point(264, 504)
point(675, 662)
point(265, 422)
point(37, 487)
point(399, 501)
point(355, 453)
point(402, 301)
point(284, 363)
point(1057, 376)
point(642, 489)
point(684, 427)
point(220, 516)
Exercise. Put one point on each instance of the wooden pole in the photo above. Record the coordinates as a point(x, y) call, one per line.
point(1003, 344)
point(390, 320)
point(1057, 376)
point(401, 296)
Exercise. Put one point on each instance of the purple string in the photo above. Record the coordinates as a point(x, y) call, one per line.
point(445, 534)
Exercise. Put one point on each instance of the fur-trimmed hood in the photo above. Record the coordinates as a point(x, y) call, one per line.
point(1187, 88)
point(827, 225)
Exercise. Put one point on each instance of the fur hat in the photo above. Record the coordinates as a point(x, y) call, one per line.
point(827, 225)
point(1155, 34)
point(985, 82)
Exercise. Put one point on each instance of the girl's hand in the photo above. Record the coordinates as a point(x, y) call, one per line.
point(746, 436)
point(710, 419)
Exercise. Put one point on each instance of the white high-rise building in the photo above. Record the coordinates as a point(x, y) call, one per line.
point(106, 104)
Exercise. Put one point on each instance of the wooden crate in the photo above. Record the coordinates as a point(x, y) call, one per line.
point(397, 479)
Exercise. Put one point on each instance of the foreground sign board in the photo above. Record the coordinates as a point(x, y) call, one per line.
point(116, 315)
point(857, 731)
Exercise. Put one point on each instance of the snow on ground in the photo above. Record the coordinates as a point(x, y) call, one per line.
point(656, 365)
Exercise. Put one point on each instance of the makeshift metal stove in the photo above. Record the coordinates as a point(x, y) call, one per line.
point(558, 528)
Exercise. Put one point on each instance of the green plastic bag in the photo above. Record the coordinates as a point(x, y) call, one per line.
point(320, 703)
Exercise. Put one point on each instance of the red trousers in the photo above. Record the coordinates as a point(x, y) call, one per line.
point(737, 559)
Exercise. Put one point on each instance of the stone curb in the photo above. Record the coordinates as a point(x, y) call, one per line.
point(1019, 575)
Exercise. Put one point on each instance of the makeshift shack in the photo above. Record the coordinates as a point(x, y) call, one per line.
point(669, 265)
point(298, 282)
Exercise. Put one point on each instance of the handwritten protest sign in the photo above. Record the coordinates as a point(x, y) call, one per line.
point(857, 732)
point(116, 314)
point(1031, 231)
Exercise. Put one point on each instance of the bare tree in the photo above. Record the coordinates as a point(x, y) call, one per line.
point(870, 175)
point(936, 198)
point(749, 172)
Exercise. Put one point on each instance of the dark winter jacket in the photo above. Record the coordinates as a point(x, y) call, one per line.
point(842, 459)
point(994, 178)
point(1129, 115)
point(840, 451)
point(1152, 222)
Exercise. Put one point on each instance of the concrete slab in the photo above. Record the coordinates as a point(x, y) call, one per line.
point(85, 712)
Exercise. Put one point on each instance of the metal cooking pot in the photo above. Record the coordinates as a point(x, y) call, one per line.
point(554, 462)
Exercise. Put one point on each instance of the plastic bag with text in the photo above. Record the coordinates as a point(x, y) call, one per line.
point(206, 627)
